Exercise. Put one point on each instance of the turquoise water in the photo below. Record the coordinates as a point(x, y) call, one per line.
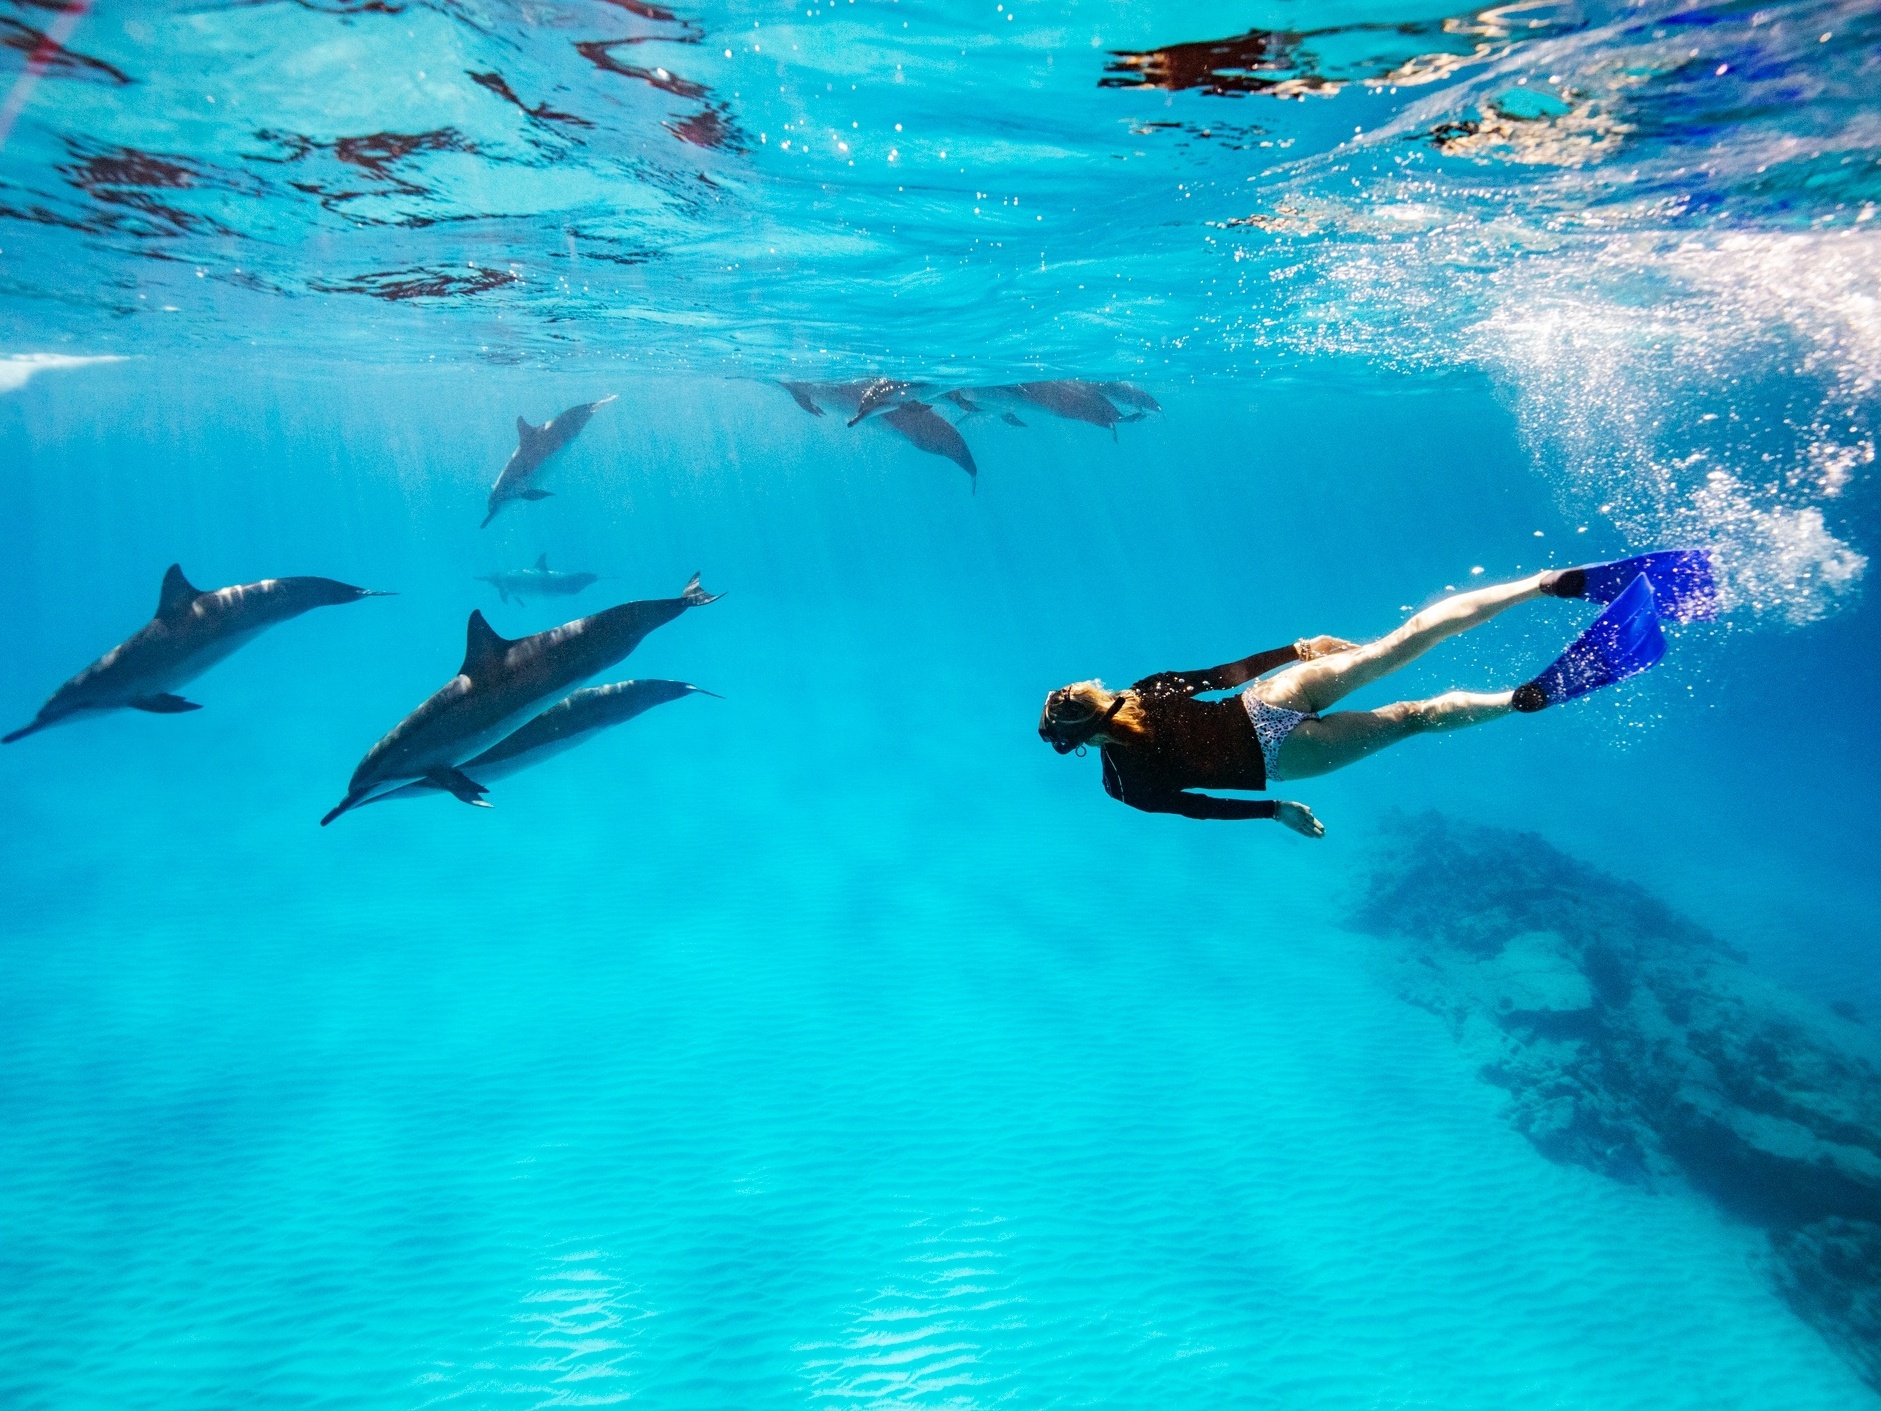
point(834, 1042)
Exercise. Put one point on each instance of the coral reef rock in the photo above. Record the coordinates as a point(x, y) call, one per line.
point(1634, 1043)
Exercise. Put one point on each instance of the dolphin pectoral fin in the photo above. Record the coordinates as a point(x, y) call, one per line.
point(163, 704)
point(459, 785)
point(535, 494)
point(1010, 419)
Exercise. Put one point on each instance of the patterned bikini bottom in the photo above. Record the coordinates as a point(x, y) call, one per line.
point(1272, 725)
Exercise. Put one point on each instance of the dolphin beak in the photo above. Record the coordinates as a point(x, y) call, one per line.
point(351, 801)
point(22, 733)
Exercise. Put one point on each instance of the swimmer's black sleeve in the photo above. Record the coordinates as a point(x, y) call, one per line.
point(1205, 806)
point(1219, 678)
point(1189, 805)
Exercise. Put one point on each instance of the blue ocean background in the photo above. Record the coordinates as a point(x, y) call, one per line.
point(835, 1043)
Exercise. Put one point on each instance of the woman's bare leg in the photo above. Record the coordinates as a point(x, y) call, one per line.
point(1314, 685)
point(1347, 736)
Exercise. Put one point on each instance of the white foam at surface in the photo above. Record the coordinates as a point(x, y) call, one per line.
point(17, 369)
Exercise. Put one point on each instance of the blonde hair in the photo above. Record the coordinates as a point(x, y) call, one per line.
point(1082, 704)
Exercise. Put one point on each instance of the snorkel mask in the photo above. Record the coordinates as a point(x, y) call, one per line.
point(1065, 725)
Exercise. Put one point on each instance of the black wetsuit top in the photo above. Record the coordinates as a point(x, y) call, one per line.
point(1194, 744)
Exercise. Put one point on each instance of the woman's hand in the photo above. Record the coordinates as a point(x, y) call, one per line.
point(1299, 818)
point(1321, 646)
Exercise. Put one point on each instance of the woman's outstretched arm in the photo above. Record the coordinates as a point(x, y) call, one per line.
point(1238, 673)
point(1193, 805)
point(1296, 816)
point(1189, 804)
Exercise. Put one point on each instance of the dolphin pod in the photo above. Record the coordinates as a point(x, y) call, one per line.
point(499, 682)
point(569, 722)
point(190, 633)
point(534, 446)
point(909, 408)
point(538, 582)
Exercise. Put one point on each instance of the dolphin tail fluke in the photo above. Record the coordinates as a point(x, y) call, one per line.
point(23, 732)
point(459, 785)
point(697, 597)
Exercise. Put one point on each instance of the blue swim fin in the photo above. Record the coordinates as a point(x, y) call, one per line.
point(1623, 641)
point(1683, 584)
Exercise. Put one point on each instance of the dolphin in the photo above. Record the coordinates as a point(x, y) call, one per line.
point(843, 398)
point(1074, 401)
point(1070, 398)
point(538, 582)
point(804, 394)
point(534, 446)
point(562, 726)
point(886, 392)
point(500, 682)
point(933, 433)
point(191, 632)
point(1124, 395)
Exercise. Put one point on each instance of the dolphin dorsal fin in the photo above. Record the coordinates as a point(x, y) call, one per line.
point(542, 563)
point(177, 593)
point(482, 647)
point(524, 430)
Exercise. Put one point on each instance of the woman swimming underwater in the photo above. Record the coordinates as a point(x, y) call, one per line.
point(1160, 744)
